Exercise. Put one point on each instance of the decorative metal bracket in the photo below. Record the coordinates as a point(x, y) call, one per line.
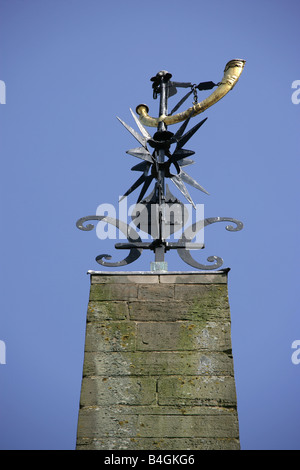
point(136, 246)
point(160, 164)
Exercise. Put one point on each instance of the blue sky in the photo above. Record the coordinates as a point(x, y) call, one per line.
point(71, 67)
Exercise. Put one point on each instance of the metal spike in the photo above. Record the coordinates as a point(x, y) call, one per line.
point(180, 102)
point(140, 126)
point(147, 183)
point(188, 179)
point(183, 140)
point(134, 186)
point(181, 186)
point(141, 166)
point(181, 129)
point(182, 153)
point(137, 136)
point(185, 162)
point(140, 152)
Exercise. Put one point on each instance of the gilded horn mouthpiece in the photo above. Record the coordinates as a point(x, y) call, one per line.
point(232, 73)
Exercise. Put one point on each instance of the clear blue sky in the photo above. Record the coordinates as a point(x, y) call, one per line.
point(70, 67)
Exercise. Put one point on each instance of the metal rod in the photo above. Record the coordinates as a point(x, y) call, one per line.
point(163, 110)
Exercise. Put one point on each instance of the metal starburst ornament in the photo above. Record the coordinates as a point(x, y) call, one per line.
point(162, 140)
point(161, 214)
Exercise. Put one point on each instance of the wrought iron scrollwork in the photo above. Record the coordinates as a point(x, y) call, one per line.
point(131, 235)
point(190, 233)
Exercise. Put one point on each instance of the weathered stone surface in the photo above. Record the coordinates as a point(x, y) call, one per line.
point(118, 390)
point(158, 367)
point(105, 424)
point(196, 390)
point(157, 363)
point(146, 443)
point(107, 310)
point(175, 310)
point(156, 292)
point(182, 336)
point(113, 291)
point(110, 336)
point(187, 426)
point(204, 294)
point(125, 279)
point(213, 278)
point(117, 411)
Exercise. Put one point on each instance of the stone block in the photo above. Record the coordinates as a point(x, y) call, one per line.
point(125, 279)
point(193, 426)
point(108, 422)
point(147, 363)
point(197, 390)
point(118, 391)
point(214, 295)
point(107, 310)
point(113, 292)
point(146, 443)
point(156, 292)
point(183, 336)
point(175, 310)
point(110, 336)
point(195, 278)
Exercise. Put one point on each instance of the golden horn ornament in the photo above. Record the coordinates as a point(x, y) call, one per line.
point(232, 72)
